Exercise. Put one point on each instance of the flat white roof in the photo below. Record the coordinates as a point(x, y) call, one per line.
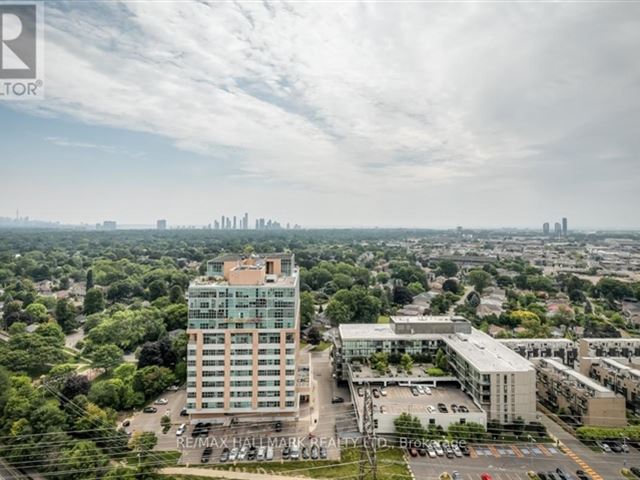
point(483, 352)
point(561, 367)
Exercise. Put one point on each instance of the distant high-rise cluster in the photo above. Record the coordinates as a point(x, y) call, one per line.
point(161, 224)
point(242, 223)
point(558, 228)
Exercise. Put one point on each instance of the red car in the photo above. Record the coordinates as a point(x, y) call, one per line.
point(486, 476)
point(413, 452)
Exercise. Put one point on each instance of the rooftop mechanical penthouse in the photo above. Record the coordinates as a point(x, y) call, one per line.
point(243, 339)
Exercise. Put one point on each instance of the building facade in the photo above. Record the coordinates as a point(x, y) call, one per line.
point(563, 348)
point(569, 392)
point(498, 380)
point(243, 330)
point(621, 375)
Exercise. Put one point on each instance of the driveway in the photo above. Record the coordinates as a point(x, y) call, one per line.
point(150, 422)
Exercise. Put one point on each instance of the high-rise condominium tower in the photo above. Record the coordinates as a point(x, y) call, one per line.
point(243, 338)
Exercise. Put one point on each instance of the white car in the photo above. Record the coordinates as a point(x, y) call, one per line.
point(181, 429)
point(456, 451)
point(242, 454)
point(383, 392)
point(431, 451)
point(261, 453)
point(161, 401)
point(269, 455)
point(427, 390)
point(438, 449)
point(420, 389)
point(173, 388)
point(431, 409)
point(233, 454)
point(295, 452)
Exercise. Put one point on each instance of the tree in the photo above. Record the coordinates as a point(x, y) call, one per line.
point(165, 423)
point(451, 285)
point(447, 268)
point(175, 316)
point(409, 427)
point(142, 443)
point(380, 362)
point(83, 461)
point(402, 295)
point(157, 289)
point(90, 283)
point(157, 353)
point(337, 312)
point(479, 279)
point(406, 362)
point(37, 312)
point(152, 380)
point(65, 315)
point(93, 301)
point(176, 295)
point(106, 356)
point(75, 385)
point(307, 310)
point(314, 336)
point(441, 360)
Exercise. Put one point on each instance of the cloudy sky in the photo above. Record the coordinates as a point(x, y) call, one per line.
point(331, 114)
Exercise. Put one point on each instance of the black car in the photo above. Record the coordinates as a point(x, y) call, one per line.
point(582, 475)
point(560, 473)
point(542, 476)
point(323, 452)
point(251, 454)
point(615, 447)
point(206, 455)
point(376, 393)
point(314, 452)
point(465, 450)
point(183, 413)
point(223, 457)
point(415, 391)
point(635, 471)
point(278, 426)
point(149, 409)
point(337, 400)
point(442, 408)
point(286, 452)
point(305, 453)
point(422, 451)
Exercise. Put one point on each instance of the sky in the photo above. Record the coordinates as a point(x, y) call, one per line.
point(331, 114)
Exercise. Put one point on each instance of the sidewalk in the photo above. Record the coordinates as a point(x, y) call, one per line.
point(208, 472)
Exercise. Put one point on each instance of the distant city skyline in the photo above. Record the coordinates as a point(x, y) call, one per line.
point(331, 116)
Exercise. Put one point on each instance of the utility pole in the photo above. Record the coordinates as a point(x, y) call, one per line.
point(368, 459)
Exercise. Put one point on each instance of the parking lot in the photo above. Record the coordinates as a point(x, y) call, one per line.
point(502, 462)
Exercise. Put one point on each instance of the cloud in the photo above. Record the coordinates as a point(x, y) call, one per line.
point(110, 149)
point(351, 98)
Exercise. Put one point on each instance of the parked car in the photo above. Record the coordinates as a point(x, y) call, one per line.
point(422, 451)
point(269, 454)
point(542, 476)
point(614, 446)
point(286, 452)
point(337, 400)
point(486, 476)
point(184, 413)
point(224, 456)
point(427, 390)
point(161, 401)
point(173, 388)
point(206, 455)
point(431, 409)
point(360, 392)
point(251, 455)
point(181, 429)
point(415, 391)
point(442, 408)
point(376, 393)
point(233, 454)
point(552, 476)
point(277, 426)
point(635, 471)
point(304, 453)
point(383, 392)
point(126, 423)
point(149, 409)
point(295, 452)
point(323, 452)
point(438, 449)
point(463, 409)
point(420, 389)
point(604, 447)
point(413, 451)
point(242, 454)
point(454, 408)
point(314, 452)
point(431, 451)
point(465, 450)
point(582, 475)
point(456, 451)
point(560, 473)
point(456, 475)
point(261, 453)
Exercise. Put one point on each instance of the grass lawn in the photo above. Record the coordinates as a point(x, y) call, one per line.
point(383, 319)
point(169, 458)
point(322, 346)
point(391, 466)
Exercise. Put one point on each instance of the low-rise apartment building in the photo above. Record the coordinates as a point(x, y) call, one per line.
point(499, 381)
point(569, 392)
point(562, 348)
point(609, 347)
point(622, 375)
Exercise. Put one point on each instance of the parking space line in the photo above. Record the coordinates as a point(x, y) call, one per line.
point(494, 451)
point(517, 451)
point(544, 450)
point(472, 452)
